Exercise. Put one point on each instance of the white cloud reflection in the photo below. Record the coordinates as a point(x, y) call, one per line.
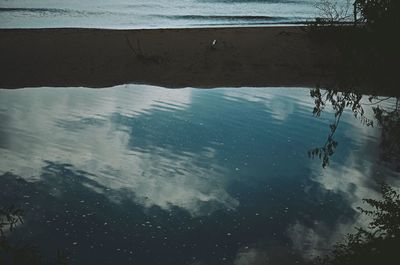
point(277, 101)
point(316, 241)
point(353, 183)
point(355, 179)
point(251, 256)
point(87, 138)
point(274, 253)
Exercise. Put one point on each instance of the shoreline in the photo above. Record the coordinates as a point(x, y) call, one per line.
point(195, 26)
point(206, 27)
point(174, 58)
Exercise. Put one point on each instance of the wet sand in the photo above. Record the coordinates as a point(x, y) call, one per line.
point(207, 57)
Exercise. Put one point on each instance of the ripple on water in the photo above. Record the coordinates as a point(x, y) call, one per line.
point(220, 174)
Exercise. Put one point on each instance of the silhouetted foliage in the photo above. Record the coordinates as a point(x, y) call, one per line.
point(368, 53)
point(379, 13)
point(385, 214)
point(332, 12)
point(20, 254)
point(379, 242)
point(374, 13)
point(369, 57)
point(387, 120)
point(339, 101)
point(9, 218)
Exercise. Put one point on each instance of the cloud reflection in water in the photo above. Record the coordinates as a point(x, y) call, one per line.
point(75, 126)
point(194, 156)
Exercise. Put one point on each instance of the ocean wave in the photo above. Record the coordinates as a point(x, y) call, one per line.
point(45, 10)
point(258, 1)
point(219, 17)
point(26, 9)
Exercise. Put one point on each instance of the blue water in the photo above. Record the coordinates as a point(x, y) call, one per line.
point(123, 14)
point(146, 175)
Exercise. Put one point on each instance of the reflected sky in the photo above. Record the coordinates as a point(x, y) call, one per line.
point(151, 175)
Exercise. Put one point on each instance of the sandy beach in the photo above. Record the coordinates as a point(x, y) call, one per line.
point(202, 57)
point(207, 57)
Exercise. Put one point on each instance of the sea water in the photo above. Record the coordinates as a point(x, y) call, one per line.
point(126, 14)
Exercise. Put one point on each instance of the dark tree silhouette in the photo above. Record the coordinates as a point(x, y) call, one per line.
point(379, 242)
point(20, 254)
point(339, 102)
point(379, 13)
point(368, 53)
point(388, 120)
point(9, 218)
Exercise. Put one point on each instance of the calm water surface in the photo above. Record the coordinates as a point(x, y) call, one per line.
point(152, 13)
point(145, 175)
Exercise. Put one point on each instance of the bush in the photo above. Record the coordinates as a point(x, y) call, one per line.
point(377, 244)
point(378, 13)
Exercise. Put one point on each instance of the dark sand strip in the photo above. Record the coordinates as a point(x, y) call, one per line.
point(259, 56)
